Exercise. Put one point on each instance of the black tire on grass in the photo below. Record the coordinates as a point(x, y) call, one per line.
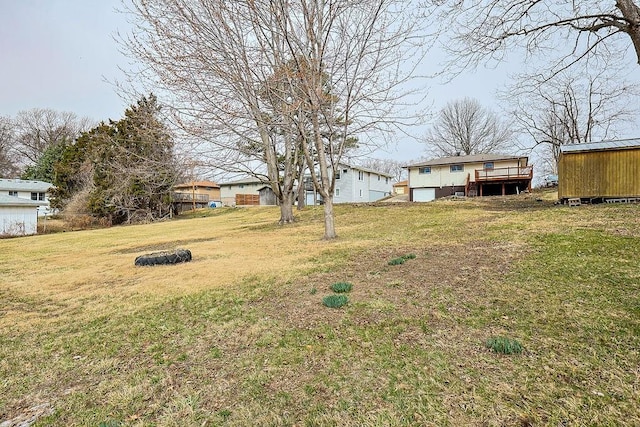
point(163, 258)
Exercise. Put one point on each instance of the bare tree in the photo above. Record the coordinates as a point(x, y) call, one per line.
point(563, 32)
point(38, 129)
point(8, 164)
point(465, 127)
point(336, 64)
point(388, 166)
point(571, 108)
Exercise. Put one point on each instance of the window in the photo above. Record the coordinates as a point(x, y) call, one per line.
point(456, 168)
point(488, 165)
point(360, 176)
point(360, 193)
point(337, 192)
point(378, 177)
point(386, 180)
point(426, 169)
point(13, 193)
point(241, 186)
point(337, 174)
point(34, 196)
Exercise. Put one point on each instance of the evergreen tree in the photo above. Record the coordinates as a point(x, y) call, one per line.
point(126, 168)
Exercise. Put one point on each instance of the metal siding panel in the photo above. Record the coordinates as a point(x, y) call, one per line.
point(599, 174)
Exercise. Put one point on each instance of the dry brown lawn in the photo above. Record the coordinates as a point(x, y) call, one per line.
point(239, 336)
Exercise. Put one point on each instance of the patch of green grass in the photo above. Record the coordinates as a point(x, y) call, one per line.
point(341, 287)
point(396, 261)
point(335, 301)
point(402, 259)
point(504, 345)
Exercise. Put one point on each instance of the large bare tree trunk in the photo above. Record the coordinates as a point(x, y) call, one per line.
point(286, 209)
point(329, 219)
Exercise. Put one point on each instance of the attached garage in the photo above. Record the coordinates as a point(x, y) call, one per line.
point(423, 194)
point(18, 217)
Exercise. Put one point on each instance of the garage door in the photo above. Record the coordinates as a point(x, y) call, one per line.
point(424, 194)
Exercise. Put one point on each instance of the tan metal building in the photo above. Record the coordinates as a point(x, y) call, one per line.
point(600, 171)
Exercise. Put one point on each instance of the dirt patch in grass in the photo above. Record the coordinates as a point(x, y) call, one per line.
point(450, 273)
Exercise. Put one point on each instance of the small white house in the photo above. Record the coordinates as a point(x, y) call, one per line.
point(18, 217)
point(29, 190)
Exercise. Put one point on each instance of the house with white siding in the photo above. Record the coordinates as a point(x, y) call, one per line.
point(474, 175)
point(18, 216)
point(355, 184)
point(28, 189)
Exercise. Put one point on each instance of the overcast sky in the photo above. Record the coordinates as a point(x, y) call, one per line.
point(61, 54)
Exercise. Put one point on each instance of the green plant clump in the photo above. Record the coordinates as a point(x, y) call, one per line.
point(335, 301)
point(402, 259)
point(341, 287)
point(504, 345)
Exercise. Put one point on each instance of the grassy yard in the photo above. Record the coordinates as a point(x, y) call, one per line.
point(240, 336)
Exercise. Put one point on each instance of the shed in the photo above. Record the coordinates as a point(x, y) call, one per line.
point(600, 171)
point(267, 196)
point(18, 217)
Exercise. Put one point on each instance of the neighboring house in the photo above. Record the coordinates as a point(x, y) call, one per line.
point(354, 184)
point(600, 171)
point(474, 175)
point(241, 192)
point(28, 189)
point(18, 216)
point(401, 187)
point(198, 194)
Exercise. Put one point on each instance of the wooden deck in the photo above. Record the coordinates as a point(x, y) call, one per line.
point(504, 174)
point(509, 179)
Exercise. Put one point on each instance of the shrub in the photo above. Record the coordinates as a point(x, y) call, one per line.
point(504, 345)
point(341, 287)
point(409, 256)
point(335, 301)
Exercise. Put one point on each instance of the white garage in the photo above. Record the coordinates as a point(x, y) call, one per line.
point(424, 194)
point(18, 217)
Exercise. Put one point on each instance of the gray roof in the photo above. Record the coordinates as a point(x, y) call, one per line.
point(474, 158)
point(17, 201)
point(243, 181)
point(620, 144)
point(360, 168)
point(24, 185)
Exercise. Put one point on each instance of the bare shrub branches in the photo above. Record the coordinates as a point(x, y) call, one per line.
point(560, 33)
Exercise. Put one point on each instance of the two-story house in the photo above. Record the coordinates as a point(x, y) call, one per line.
point(354, 184)
point(37, 191)
point(474, 175)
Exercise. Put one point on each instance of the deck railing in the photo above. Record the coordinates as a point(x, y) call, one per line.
point(500, 174)
point(190, 197)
